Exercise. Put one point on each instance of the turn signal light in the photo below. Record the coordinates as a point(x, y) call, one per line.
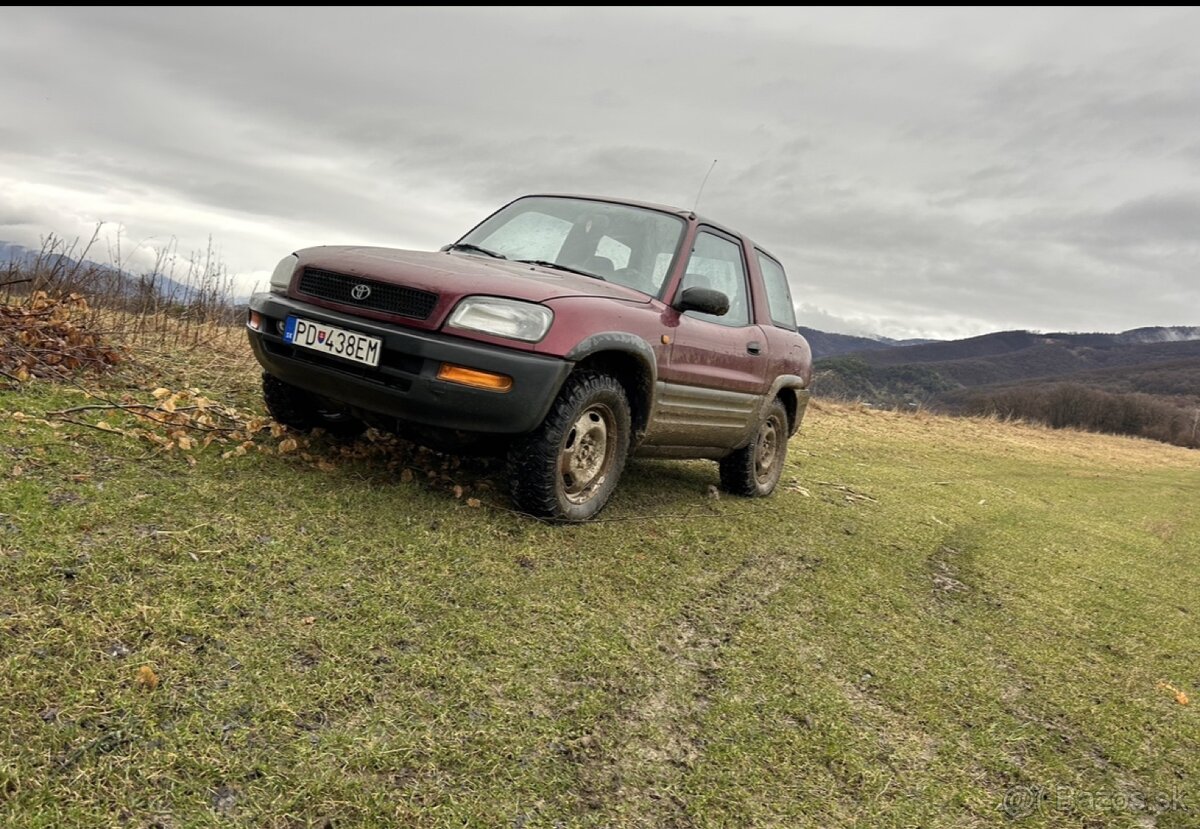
point(474, 377)
point(255, 321)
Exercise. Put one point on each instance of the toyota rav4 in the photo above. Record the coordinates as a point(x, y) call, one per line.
point(567, 332)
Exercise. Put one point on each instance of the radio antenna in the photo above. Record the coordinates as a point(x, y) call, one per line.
point(701, 190)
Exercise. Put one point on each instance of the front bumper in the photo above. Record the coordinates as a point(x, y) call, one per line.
point(404, 384)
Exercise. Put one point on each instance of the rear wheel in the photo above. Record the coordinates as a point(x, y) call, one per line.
point(754, 470)
point(301, 410)
point(567, 468)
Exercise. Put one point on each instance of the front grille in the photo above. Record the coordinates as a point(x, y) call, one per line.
point(391, 299)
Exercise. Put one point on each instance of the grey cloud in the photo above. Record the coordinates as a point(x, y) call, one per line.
point(919, 171)
point(1166, 218)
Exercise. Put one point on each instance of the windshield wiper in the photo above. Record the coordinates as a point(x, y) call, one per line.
point(556, 266)
point(469, 246)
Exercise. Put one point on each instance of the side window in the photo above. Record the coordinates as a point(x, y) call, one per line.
point(716, 263)
point(531, 235)
point(779, 298)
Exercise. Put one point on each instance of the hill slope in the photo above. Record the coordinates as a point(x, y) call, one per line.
point(826, 344)
point(967, 374)
point(932, 621)
point(1019, 352)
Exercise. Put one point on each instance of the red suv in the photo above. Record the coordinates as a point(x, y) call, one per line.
point(566, 331)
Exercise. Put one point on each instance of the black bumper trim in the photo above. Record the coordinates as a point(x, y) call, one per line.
point(405, 384)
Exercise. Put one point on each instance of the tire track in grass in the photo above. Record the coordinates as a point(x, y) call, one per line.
point(630, 766)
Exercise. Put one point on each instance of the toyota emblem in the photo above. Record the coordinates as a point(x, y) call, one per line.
point(360, 292)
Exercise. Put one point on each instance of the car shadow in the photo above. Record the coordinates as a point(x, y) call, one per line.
point(647, 486)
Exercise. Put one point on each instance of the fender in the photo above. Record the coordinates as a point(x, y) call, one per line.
point(622, 342)
point(786, 381)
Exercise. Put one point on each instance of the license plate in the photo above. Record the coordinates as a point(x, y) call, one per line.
point(328, 339)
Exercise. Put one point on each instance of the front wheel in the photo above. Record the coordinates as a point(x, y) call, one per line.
point(567, 468)
point(754, 470)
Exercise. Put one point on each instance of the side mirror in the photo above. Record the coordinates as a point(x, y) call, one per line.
point(704, 300)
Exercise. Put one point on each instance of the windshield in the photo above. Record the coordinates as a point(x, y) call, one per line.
point(632, 246)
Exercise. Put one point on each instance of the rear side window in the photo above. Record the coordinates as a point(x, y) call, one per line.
point(779, 298)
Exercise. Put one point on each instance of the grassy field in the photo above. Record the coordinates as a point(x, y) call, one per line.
point(934, 622)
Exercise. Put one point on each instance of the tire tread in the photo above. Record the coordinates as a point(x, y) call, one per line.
point(533, 459)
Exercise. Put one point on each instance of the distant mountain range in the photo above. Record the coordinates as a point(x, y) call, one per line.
point(825, 344)
point(101, 278)
point(1159, 361)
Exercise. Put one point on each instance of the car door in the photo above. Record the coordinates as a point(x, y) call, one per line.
point(716, 373)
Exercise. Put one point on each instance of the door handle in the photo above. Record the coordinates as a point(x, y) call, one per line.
point(754, 347)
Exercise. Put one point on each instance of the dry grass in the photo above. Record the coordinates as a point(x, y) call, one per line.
point(179, 300)
point(1018, 434)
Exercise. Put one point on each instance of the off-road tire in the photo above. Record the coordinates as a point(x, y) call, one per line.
point(567, 468)
point(298, 409)
point(754, 470)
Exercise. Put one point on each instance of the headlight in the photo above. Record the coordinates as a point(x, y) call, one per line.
point(281, 277)
point(502, 318)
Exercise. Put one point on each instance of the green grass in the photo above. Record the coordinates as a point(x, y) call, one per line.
point(929, 617)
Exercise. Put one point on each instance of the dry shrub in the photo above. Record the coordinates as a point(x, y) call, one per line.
point(45, 336)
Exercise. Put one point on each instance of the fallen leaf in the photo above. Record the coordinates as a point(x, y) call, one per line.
point(1180, 696)
point(160, 393)
point(458, 491)
point(308, 620)
point(406, 475)
point(288, 445)
point(185, 443)
point(474, 502)
point(325, 466)
point(146, 678)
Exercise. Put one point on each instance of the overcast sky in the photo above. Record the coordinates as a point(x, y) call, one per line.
point(920, 173)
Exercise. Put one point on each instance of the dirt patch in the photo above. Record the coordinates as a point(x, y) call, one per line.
point(630, 765)
point(943, 573)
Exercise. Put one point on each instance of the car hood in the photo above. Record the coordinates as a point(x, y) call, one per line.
point(455, 275)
